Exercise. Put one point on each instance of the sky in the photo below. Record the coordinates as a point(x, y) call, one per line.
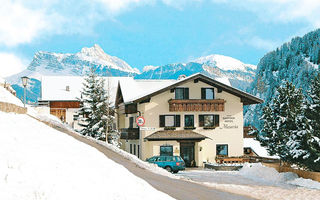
point(151, 32)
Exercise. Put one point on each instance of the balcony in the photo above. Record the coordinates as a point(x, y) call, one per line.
point(130, 134)
point(206, 105)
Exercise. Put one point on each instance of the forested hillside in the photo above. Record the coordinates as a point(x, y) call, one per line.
point(296, 61)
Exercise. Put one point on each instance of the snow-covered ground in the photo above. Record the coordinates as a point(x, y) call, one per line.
point(38, 162)
point(258, 182)
point(6, 96)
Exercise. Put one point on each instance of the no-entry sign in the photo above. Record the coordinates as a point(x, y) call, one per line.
point(140, 121)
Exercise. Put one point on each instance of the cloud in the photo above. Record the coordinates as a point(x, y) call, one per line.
point(23, 21)
point(19, 24)
point(261, 43)
point(280, 11)
point(10, 64)
point(179, 4)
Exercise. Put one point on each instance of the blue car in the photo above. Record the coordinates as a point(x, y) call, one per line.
point(170, 163)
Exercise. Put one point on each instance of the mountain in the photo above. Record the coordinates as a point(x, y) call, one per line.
point(296, 61)
point(240, 75)
point(220, 67)
point(78, 64)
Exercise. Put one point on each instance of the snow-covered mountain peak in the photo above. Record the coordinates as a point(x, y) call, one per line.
point(224, 62)
point(149, 67)
point(96, 55)
point(95, 51)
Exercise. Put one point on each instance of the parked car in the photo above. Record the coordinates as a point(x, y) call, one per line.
point(170, 163)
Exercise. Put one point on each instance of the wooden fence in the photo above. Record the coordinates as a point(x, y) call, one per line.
point(301, 173)
point(9, 107)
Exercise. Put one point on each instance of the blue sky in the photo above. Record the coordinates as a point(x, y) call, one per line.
point(151, 32)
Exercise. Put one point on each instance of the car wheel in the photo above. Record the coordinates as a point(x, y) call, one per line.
point(175, 171)
point(168, 169)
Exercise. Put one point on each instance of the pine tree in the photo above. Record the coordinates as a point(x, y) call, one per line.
point(93, 108)
point(281, 122)
point(313, 114)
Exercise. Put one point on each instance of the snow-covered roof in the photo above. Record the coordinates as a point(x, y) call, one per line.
point(138, 92)
point(256, 147)
point(133, 89)
point(54, 88)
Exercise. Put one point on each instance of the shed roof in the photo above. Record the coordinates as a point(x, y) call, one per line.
point(54, 88)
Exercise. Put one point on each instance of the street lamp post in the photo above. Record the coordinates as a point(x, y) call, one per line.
point(24, 83)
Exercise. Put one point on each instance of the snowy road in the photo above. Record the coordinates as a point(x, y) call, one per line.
point(259, 182)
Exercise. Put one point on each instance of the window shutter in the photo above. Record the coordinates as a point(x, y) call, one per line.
point(216, 120)
point(177, 121)
point(203, 93)
point(186, 93)
point(201, 120)
point(161, 121)
point(213, 93)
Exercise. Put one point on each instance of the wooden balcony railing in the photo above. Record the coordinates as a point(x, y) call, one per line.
point(129, 133)
point(179, 105)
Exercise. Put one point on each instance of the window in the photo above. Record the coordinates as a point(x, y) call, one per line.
point(169, 158)
point(131, 120)
point(209, 121)
point(182, 93)
point(207, 93)
point(153, 159)
point(247, 150)
point(189, 121)
point(138, 151)
point(169, 120)
point(222, 150)
point(134, 149)
point(166, 150)
point(131, 148)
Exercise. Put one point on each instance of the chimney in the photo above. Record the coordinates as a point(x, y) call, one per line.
point(182, 76)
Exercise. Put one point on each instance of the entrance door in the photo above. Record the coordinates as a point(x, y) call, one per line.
point(60, 113)
point(187, 153)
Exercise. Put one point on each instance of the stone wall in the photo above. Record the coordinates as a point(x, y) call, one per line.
point(9, 107)
point(301, 173)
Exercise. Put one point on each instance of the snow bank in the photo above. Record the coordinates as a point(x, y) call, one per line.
point(142, 164)
point(308, 183)
point(2, 80)
point(262, 182)
point(258, 172)
point(38, 162)
point(6, 96)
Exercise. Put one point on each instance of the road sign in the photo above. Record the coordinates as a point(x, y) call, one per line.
point(147, 128)
point(140, 121)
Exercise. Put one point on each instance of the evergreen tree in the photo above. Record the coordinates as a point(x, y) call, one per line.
point(282, 123)
point(93, 107)
point(313, 114)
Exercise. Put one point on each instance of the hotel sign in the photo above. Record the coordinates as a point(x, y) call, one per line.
point(228, 122)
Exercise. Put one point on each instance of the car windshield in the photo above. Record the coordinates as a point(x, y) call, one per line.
point(152, 159)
